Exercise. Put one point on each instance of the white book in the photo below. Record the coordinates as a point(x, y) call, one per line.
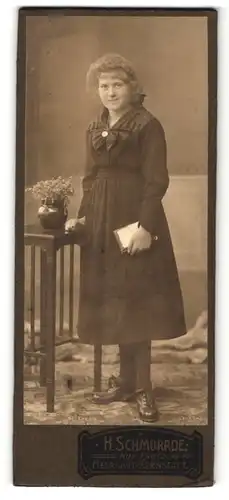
point(124, 234)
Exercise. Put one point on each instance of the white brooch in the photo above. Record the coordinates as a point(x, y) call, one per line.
point(104, 133)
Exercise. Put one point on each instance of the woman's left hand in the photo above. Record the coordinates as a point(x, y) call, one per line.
point(141, 240)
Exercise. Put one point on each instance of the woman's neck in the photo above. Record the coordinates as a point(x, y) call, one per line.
point(114, 116)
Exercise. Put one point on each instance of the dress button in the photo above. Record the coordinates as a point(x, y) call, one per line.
point(104, 133)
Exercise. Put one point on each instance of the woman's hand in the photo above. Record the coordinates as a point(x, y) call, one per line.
point(141, 240)
point(70, 224)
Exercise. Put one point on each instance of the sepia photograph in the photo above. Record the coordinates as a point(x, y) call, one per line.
point(116, 220)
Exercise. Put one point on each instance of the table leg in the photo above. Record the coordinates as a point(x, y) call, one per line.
point(97, 367)
point(43, 315)
point(51, 326)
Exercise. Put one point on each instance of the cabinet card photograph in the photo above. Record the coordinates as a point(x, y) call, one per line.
point(115, 221)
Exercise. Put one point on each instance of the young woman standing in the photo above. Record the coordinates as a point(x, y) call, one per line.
point(134, 297)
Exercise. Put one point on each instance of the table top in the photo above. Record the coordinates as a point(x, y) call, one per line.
point(36, 232)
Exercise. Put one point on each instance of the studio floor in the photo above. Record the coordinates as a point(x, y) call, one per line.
point(180, 390)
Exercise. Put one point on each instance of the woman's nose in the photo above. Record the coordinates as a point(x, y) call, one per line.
point(111, 91)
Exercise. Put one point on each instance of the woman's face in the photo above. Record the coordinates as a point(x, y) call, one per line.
point(114, 93)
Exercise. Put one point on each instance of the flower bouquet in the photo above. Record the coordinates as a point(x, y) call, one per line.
point(54, 195)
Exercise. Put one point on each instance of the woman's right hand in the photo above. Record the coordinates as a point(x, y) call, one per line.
point(71, 224)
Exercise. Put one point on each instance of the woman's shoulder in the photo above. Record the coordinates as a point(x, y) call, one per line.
point(145, 117)
point(148, 122)
point(93, 124)
point(98, 120)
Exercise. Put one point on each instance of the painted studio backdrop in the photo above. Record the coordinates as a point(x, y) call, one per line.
point(170, 57)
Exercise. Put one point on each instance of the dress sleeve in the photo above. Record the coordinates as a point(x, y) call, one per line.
point(155, 173)
point(88, 179)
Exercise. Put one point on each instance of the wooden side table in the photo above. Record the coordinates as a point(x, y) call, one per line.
point(50, 242)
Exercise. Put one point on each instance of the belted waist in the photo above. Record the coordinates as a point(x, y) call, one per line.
point(119, 173)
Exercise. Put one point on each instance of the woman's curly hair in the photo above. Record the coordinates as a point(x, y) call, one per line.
point(114, 62)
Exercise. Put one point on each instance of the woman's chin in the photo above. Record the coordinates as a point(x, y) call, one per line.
point(114, 107)
point(117, 107)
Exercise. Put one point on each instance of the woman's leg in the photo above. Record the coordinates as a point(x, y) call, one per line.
point(123, 387)
point(127, 367)
point(142, 366)
point(144, 398)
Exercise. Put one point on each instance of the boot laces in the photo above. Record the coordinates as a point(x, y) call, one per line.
point(146, 398)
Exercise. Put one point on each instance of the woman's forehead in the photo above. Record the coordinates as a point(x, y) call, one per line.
point(112, 75)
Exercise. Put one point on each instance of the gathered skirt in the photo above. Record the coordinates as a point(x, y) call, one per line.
point(123, 298)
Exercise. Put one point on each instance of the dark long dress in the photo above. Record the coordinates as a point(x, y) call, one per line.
point(123, 298)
